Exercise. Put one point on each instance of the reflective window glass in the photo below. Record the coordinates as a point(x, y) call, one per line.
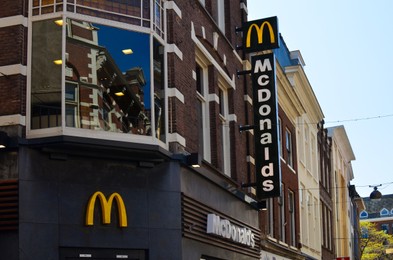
point(110, 68)
point(159, 90)
point(46, 74)
point(114, 80)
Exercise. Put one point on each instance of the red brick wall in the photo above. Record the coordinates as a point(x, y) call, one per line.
point(13, 7)
point(13, 40)
point(12, 95)
point(289, 178)
point(13, 45)
point(180, 76)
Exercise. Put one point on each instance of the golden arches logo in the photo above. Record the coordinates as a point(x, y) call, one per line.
point(259, 30)
point(106, 208)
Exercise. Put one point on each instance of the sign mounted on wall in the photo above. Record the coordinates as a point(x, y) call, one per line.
point(226, 229)
point(106, 208)
point(267, 153)
point(259, 35)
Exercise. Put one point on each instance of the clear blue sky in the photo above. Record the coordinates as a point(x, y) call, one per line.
point(347, 46)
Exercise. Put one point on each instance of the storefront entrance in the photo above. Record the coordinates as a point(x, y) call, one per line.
point(102, 254)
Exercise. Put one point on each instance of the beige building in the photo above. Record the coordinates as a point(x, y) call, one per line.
point(342, 155)
point(306, 127)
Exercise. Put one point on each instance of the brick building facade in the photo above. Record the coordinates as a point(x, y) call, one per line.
point(103, 104)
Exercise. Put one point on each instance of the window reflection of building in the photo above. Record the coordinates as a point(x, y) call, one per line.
point(103, 91)
point(159, 88)
point(109, 99)
point(46, 75)
point(92, 88)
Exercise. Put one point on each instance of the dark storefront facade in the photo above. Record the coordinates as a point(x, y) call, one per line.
point(225, 228)
point(159, 208)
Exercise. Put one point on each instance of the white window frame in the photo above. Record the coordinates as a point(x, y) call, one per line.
point(384, 212)
point(289, 147)
point(225, 129)
point(73, 102)
point(314, 157)
point(71, 131)
point(282, 220)
point(280, 137)
point(221, 15)
point(365, 213)
point(204, 98)
point(300, 140)
point(292, 217)
point(307, 149)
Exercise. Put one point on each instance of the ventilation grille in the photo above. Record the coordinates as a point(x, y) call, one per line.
point(8, 205)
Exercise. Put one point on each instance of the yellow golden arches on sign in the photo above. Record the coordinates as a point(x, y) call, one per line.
point(259, 30)
point(106, 208)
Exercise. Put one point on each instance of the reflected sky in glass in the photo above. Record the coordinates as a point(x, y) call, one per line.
point(115, 40)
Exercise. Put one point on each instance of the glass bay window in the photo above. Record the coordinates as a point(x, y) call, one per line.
point(107, 79)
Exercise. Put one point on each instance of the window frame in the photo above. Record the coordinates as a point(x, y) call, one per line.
point(204, 99)
point(63, 129)
point(385, 228)
point(384, 212)
point(289, 147)
point(282, 219)
point(279, 121)
point(270, 209)
point(221, 15)
point(72, 102)
point(225, 128)
point(292, 217)
point(363, 214)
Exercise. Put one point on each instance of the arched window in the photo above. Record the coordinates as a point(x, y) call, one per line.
point(363, 214)
point(384, 212)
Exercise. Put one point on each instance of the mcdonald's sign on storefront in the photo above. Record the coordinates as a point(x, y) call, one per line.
point(266, 132)
point(106, 208)
point(259, 35)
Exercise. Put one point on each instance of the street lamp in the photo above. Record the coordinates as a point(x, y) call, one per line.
point(376, 195)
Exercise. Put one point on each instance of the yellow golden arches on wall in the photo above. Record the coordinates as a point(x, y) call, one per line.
point(259, 30)
point(106, 208)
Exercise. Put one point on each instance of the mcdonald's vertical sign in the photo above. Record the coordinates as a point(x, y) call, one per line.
point(259, 35)
point(265, 106)
point(106, 209)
